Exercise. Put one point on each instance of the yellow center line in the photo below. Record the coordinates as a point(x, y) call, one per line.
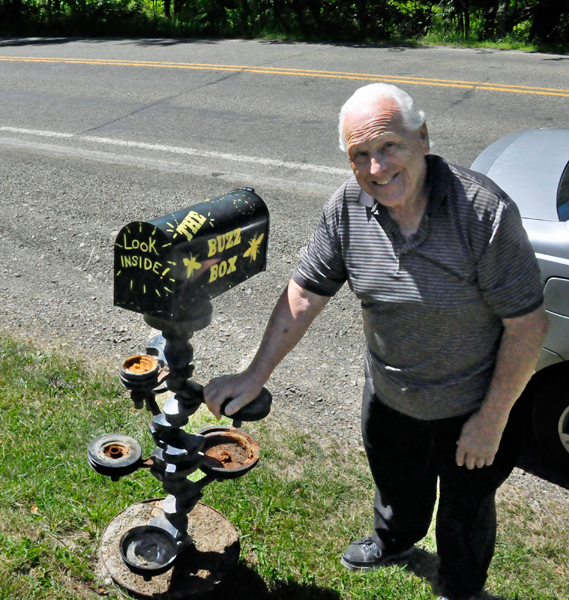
point(494, 87)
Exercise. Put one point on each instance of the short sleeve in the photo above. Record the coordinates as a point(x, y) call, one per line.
point(321, 269)
point(508, 273)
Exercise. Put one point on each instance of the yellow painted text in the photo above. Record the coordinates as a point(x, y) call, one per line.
point(224, 241)
point(141, 262)
point(191, 224)
point(149, 246)
point(223, 268)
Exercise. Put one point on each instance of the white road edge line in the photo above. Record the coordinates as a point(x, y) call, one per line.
point(168, 164)
point(548, 257)
point(187, 151)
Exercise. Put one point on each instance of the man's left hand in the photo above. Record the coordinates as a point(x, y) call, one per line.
point(479, 441)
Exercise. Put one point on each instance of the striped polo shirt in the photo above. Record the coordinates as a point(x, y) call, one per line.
point(432, 304)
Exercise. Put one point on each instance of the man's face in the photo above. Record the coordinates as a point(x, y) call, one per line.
point(388, 159)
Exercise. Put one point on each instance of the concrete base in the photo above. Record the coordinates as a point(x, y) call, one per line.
point(196, 571)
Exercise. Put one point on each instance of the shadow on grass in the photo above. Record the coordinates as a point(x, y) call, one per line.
point(425, 565)
point(243, 583)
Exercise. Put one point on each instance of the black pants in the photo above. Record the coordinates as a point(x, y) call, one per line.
point(407, 456)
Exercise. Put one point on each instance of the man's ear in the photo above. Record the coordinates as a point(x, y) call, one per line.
point(424, 138)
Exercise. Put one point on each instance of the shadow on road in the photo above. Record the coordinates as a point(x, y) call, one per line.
point(55, 41)
point(162, 42)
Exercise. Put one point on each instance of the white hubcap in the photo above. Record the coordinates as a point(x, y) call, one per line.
point(563, 428)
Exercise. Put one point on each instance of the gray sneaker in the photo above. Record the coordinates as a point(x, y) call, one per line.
point(365, 555)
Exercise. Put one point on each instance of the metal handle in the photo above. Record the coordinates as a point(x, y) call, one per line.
point(256, 410)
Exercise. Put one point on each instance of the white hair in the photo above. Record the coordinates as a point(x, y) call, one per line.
point(368, 96)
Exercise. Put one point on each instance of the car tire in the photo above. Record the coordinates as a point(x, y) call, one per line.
point(550, 414)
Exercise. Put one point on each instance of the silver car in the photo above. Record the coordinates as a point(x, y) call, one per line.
point(532, 167)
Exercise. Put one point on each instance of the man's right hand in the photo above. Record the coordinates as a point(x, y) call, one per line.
point(242, 388)
point(290, 319)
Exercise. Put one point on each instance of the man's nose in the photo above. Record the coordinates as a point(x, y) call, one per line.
point(376, 165)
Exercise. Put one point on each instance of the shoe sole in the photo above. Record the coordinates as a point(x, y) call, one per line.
point(390, 561)
point(356, 568)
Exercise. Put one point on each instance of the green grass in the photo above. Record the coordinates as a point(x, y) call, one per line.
point(458, 41)
point(296, 511)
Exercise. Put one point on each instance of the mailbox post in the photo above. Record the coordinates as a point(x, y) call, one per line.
point(169, 270)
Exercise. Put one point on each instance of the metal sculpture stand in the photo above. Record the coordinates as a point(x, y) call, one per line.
point(147, 540)
point(168, 270)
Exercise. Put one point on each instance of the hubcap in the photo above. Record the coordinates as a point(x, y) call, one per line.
point(563, 429)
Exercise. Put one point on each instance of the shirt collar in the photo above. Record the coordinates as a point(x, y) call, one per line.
point(438, 178)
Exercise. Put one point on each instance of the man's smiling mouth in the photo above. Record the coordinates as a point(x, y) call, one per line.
point(387, 180)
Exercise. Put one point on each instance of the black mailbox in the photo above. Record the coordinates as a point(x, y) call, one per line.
point(169, 266)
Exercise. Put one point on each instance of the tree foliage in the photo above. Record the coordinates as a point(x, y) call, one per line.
point(537, 21)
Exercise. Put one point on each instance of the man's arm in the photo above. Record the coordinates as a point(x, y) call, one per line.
point(517, 356)
point(292, 316)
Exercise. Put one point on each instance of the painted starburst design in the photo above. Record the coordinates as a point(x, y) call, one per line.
point(172, 227)
point(192, 265)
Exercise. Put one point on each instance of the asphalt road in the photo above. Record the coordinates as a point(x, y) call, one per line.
point(266, 99)
point(97, 133)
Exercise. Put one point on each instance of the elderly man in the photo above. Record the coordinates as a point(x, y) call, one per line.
point(454, 321)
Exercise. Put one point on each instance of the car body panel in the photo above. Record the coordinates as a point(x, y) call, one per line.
point(557, 340)
point(550, 242)
point(532, 167)
point(546, 359)
point(528, 165)
point(557, 292)
point(488, 157)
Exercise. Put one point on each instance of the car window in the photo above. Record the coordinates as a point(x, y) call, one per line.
point(563, 196)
